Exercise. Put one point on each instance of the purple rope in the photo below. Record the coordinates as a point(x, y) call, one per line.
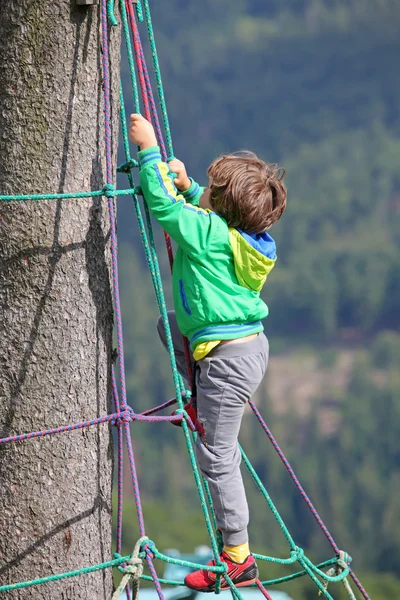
point(123, 416)
point(114, 257)
point(139, 510)
point(263, 590)
point(154, 575)
point(108, 188)
point(120, 485)
point(63, 429)
point(151, 411)
point(303, 493)
point(120, 467)
point(147, 92)
point(148, 99)
point(153, 106)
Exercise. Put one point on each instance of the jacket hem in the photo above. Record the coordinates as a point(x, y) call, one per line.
point(226, 331)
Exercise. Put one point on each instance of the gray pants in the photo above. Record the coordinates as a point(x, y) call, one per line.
point(225, 379)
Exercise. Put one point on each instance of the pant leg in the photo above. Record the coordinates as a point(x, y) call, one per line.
point(177, 341)
point(226, 380)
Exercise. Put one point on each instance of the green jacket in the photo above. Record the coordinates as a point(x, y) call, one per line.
point(218, 271)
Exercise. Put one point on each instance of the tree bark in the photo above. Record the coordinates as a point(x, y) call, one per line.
point(55, 299)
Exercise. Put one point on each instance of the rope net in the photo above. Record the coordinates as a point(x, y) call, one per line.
point(135, 14)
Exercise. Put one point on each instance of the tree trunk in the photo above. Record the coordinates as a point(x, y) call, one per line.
point(56, 303)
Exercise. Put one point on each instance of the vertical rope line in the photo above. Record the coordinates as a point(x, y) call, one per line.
point(129, 53)
point(158, 78)
point(147, 87)
point(151, 255)
point(139, 65)
point(148, 99)
point(109, 179)
point(120, 466)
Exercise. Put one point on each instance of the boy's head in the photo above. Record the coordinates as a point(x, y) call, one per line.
point(246, 191)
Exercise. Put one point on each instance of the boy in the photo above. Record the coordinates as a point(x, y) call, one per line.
point(224, 256)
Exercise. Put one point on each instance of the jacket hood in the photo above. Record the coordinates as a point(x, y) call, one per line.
point(254, 257)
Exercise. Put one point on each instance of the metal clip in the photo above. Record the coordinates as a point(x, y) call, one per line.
point(86, 2)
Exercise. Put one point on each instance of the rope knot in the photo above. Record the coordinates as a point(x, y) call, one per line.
point(127, 415)
point(297, 553)
point(344, 559)
point(191, 425)
point(132, 569)
point(126, 167)
point(339, 572)
point(150, 547)
point(109, 190)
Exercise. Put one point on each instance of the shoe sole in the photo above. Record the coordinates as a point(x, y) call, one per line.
point(223, 587)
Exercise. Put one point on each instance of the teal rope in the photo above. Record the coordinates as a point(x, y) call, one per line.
point(70, 196)
point(131, 64)
point(139, 11)
point(267, 497)
point(119, 560)
point(111, 14)
point(84, 570)
point(160, 86)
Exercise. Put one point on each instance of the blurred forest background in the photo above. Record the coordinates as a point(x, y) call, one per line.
point(315, 86)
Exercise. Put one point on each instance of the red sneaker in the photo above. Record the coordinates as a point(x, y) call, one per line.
point(241, 574)
point(191, 411)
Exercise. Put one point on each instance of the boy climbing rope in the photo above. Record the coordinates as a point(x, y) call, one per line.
point(223, 259)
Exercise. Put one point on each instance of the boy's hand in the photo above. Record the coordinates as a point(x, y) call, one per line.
point(181, 181)
point(141, 132)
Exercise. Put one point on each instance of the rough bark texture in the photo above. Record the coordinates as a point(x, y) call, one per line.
point(55, 299)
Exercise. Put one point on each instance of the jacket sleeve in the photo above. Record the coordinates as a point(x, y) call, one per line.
point(193, 194)
point(191, 227)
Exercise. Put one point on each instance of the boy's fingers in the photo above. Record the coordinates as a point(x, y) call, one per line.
point(173, 164)
point(135, 117)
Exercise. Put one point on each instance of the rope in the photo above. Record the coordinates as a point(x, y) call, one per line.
point(133, 571)
point(109, 191)
point(341, 566)
point(123, 415)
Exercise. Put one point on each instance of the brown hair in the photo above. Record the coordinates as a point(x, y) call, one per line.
point(246, 191)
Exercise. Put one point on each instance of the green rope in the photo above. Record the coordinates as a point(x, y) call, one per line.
point(120, 560)
point(83, 571)
point(70, 196)
point(160, 86)
point(131, 64)
point(271, 505)
point(341, 568)
point(111, 14)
